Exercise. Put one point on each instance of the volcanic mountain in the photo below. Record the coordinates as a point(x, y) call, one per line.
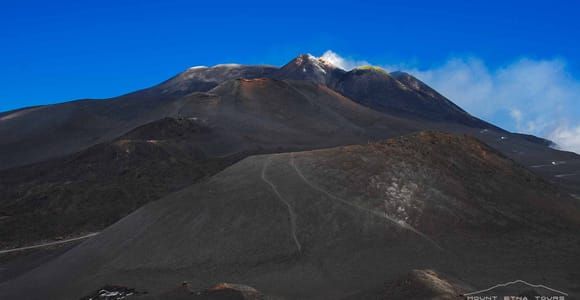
point(204, 133)
point(39, 133)
point(118, 149)
point(247, 196)
point(65, 195)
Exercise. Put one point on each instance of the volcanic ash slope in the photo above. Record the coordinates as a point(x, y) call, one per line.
point(326, 224)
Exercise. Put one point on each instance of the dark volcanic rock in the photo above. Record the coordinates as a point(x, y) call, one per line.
point(92, 189)
point(401, 94)
point(333, 222)
point(203, 79)
point(221, 291)
point(425, 285)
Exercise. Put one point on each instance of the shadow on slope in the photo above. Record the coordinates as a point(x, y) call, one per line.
point(333, 222)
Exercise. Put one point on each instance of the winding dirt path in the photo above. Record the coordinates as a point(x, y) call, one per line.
point(564, 175)
point(291, 213)
point(49, 244)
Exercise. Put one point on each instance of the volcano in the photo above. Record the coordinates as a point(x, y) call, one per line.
point(300, 182)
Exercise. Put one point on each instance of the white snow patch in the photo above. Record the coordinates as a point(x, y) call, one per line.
point(197, 67)
point(319, 67)
point(227, 66)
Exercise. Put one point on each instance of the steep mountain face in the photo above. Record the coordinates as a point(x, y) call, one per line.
point(449, 110)
point(402, 94)
point(375, 87)
point(310, 68)
point(415, 84)
point(334, 222)
point(395, 93)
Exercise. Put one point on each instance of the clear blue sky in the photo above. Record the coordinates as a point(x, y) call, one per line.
point(55, 51)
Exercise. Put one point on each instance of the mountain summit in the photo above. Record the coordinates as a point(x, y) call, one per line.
point(308, 67)
point(35, 134)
